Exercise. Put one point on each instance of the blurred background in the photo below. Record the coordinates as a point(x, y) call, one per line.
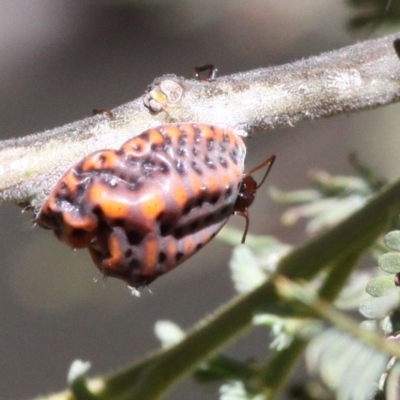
point(58, 61)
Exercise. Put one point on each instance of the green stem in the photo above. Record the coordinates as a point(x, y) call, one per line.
point(203, 342)
point(224, 367)
point(337, 319)
point(276, 372)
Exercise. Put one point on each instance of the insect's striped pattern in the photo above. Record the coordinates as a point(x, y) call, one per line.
point(147, 207)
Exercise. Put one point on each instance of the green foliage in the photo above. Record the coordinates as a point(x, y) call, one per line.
point(333, 353)
point(384, 301)
point(346, 365)
point(331, 199)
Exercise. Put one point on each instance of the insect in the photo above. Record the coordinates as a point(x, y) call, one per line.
point(144, 209)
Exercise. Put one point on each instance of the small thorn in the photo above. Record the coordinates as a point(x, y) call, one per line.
point(134, 291)
point(104, 111)
point(212, 72)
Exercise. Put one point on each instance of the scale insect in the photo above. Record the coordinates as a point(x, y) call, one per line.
point(144, 209)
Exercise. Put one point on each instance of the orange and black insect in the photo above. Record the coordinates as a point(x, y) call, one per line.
point(144, 209)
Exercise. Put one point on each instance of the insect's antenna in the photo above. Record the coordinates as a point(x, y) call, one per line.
point(245, 215)
point(270, 162)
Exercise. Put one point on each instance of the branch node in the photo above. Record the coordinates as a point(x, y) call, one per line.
point(163, 91)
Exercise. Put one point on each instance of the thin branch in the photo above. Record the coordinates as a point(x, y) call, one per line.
point(355, 78)
point(275, 374)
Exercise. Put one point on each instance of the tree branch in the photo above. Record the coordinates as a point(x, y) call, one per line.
point(355, 78)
